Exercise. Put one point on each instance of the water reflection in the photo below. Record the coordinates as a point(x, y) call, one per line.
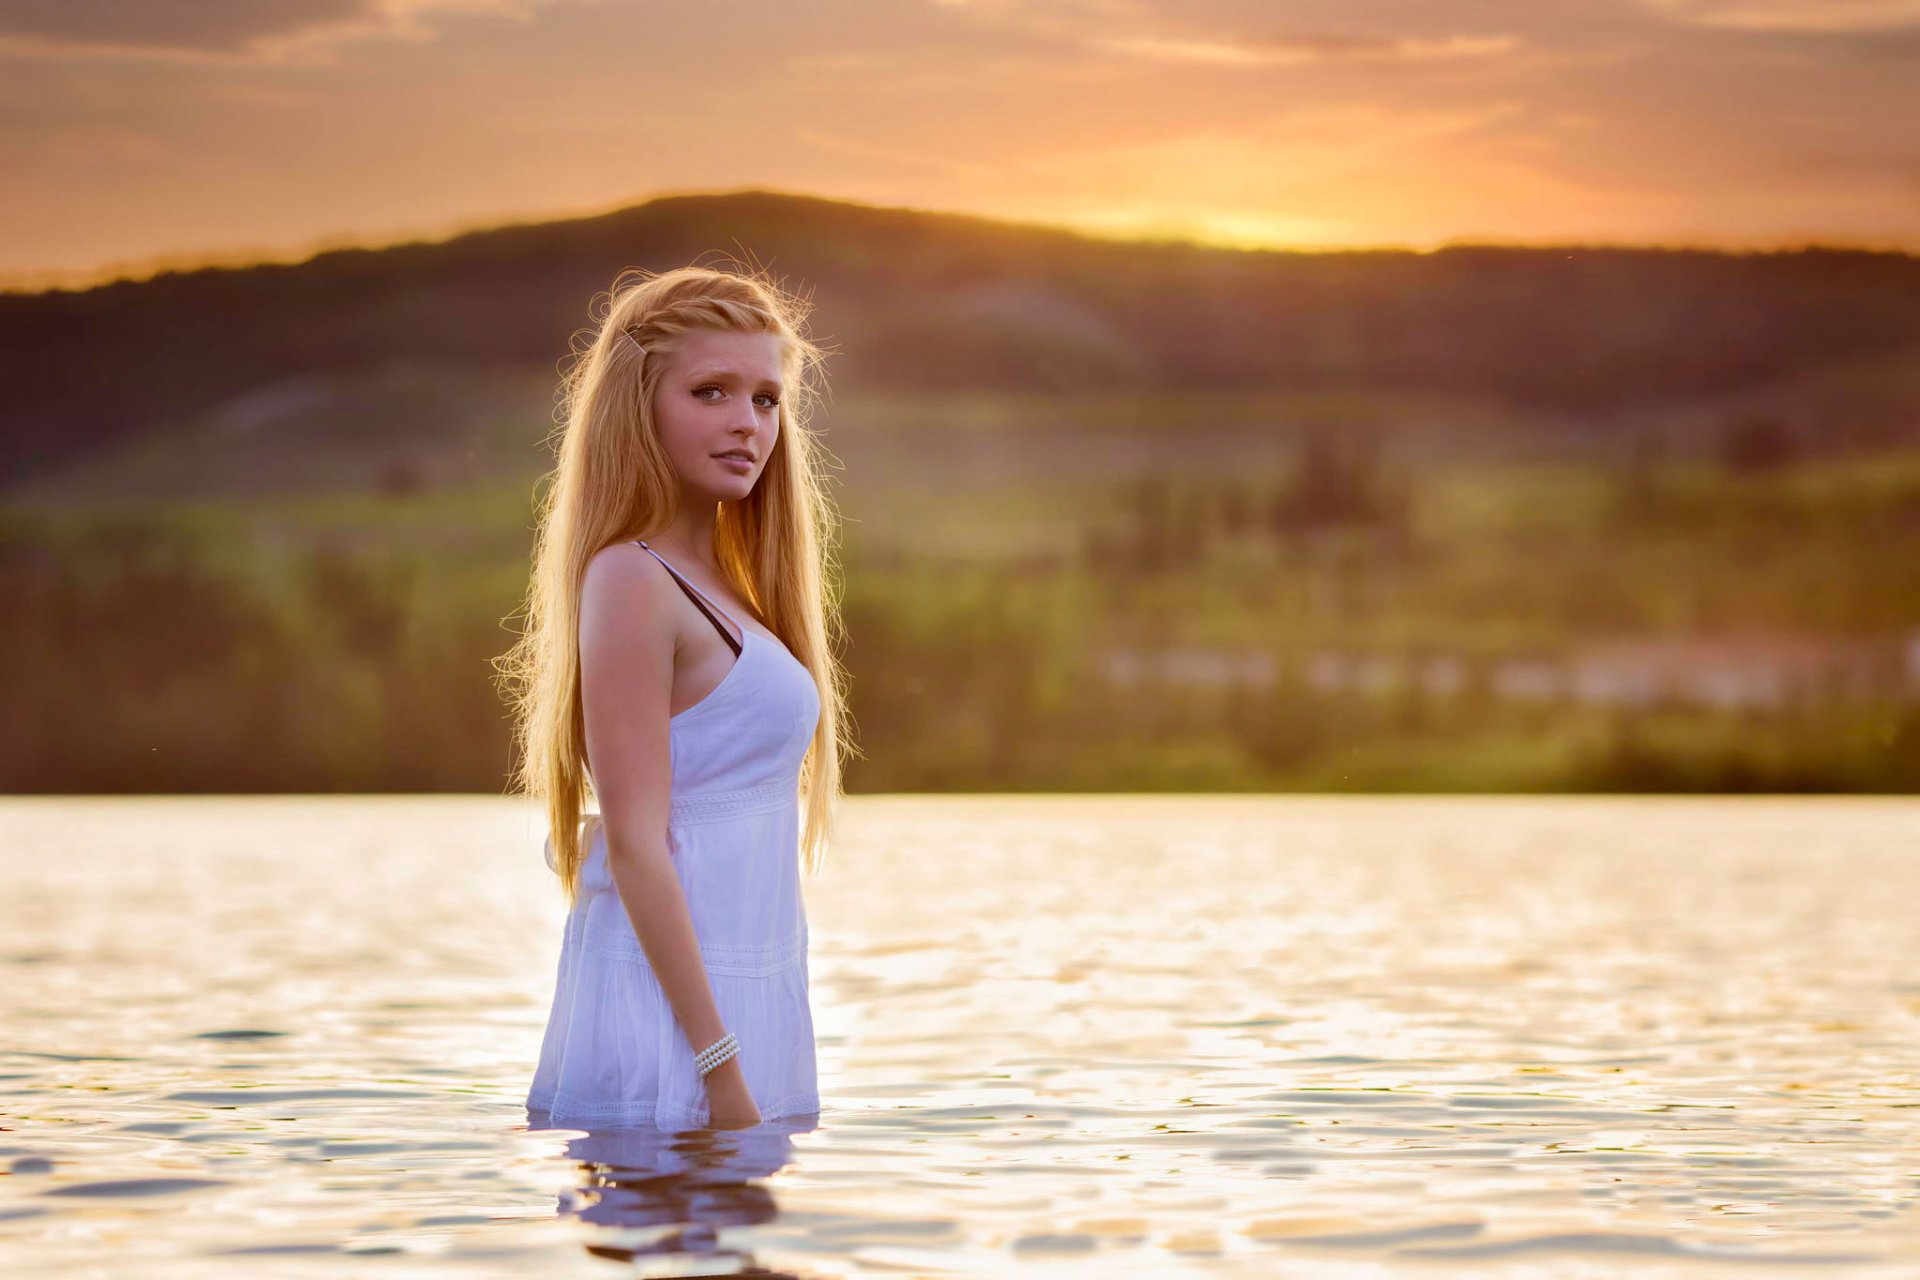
point(678, 1189)
point(1087, 1036)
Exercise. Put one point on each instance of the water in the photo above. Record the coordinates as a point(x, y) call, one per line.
point(1074, 1036)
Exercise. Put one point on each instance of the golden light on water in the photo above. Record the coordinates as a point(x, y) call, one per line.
point(1095, 1033)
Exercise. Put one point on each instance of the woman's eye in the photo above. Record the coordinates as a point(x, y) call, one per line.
point(772, 402)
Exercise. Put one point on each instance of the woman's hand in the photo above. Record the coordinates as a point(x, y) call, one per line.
point(729, 1104)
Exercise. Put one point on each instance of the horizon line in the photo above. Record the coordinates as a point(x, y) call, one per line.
point(31, 283)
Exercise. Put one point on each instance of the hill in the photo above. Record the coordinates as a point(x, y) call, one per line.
point(420, 342)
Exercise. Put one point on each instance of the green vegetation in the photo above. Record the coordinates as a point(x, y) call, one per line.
point(1000, 573)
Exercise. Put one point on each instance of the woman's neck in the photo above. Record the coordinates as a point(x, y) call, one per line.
point(691, 533)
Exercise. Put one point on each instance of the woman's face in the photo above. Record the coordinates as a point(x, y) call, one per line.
point(720, 392)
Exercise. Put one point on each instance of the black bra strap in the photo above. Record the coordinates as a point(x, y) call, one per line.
point(717, 625)
point(694, 596)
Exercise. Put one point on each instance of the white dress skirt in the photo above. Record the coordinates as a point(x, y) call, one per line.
point(614, 1054)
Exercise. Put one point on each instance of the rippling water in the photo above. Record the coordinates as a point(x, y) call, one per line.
point(1080, 1036)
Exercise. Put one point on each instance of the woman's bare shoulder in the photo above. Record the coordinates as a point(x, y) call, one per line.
point(625, 594)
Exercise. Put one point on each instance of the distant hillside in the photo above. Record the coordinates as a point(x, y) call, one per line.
point(937, 302)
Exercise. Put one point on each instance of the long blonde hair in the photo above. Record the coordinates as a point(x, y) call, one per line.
point(613, 482)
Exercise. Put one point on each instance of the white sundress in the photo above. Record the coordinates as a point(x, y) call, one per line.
point(614, 1054)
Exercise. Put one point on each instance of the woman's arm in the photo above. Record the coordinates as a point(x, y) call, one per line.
point(627, 643)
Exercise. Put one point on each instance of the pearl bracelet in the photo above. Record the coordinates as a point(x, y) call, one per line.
point(716, 1053)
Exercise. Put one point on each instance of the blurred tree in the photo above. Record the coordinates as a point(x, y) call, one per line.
point(1336, 481)
point(1755, 442)
point(403, 477)
point(1636, 491)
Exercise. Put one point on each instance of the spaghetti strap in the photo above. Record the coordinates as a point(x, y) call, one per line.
point(700, 601)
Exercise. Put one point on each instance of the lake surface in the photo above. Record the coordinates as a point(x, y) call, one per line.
point(1074, 1036)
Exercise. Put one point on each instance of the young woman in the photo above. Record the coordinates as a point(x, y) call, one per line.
point(677, 667)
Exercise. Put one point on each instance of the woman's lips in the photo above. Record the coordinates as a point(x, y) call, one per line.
point(738, 463)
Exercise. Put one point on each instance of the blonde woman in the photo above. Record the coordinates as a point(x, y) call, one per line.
point(676, 667)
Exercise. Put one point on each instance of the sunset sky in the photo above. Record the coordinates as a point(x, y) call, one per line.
point(136, 131)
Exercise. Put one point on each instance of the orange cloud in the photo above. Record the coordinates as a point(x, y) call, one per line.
point(235, 32)
point(1793, 15)
point(1260, 52)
